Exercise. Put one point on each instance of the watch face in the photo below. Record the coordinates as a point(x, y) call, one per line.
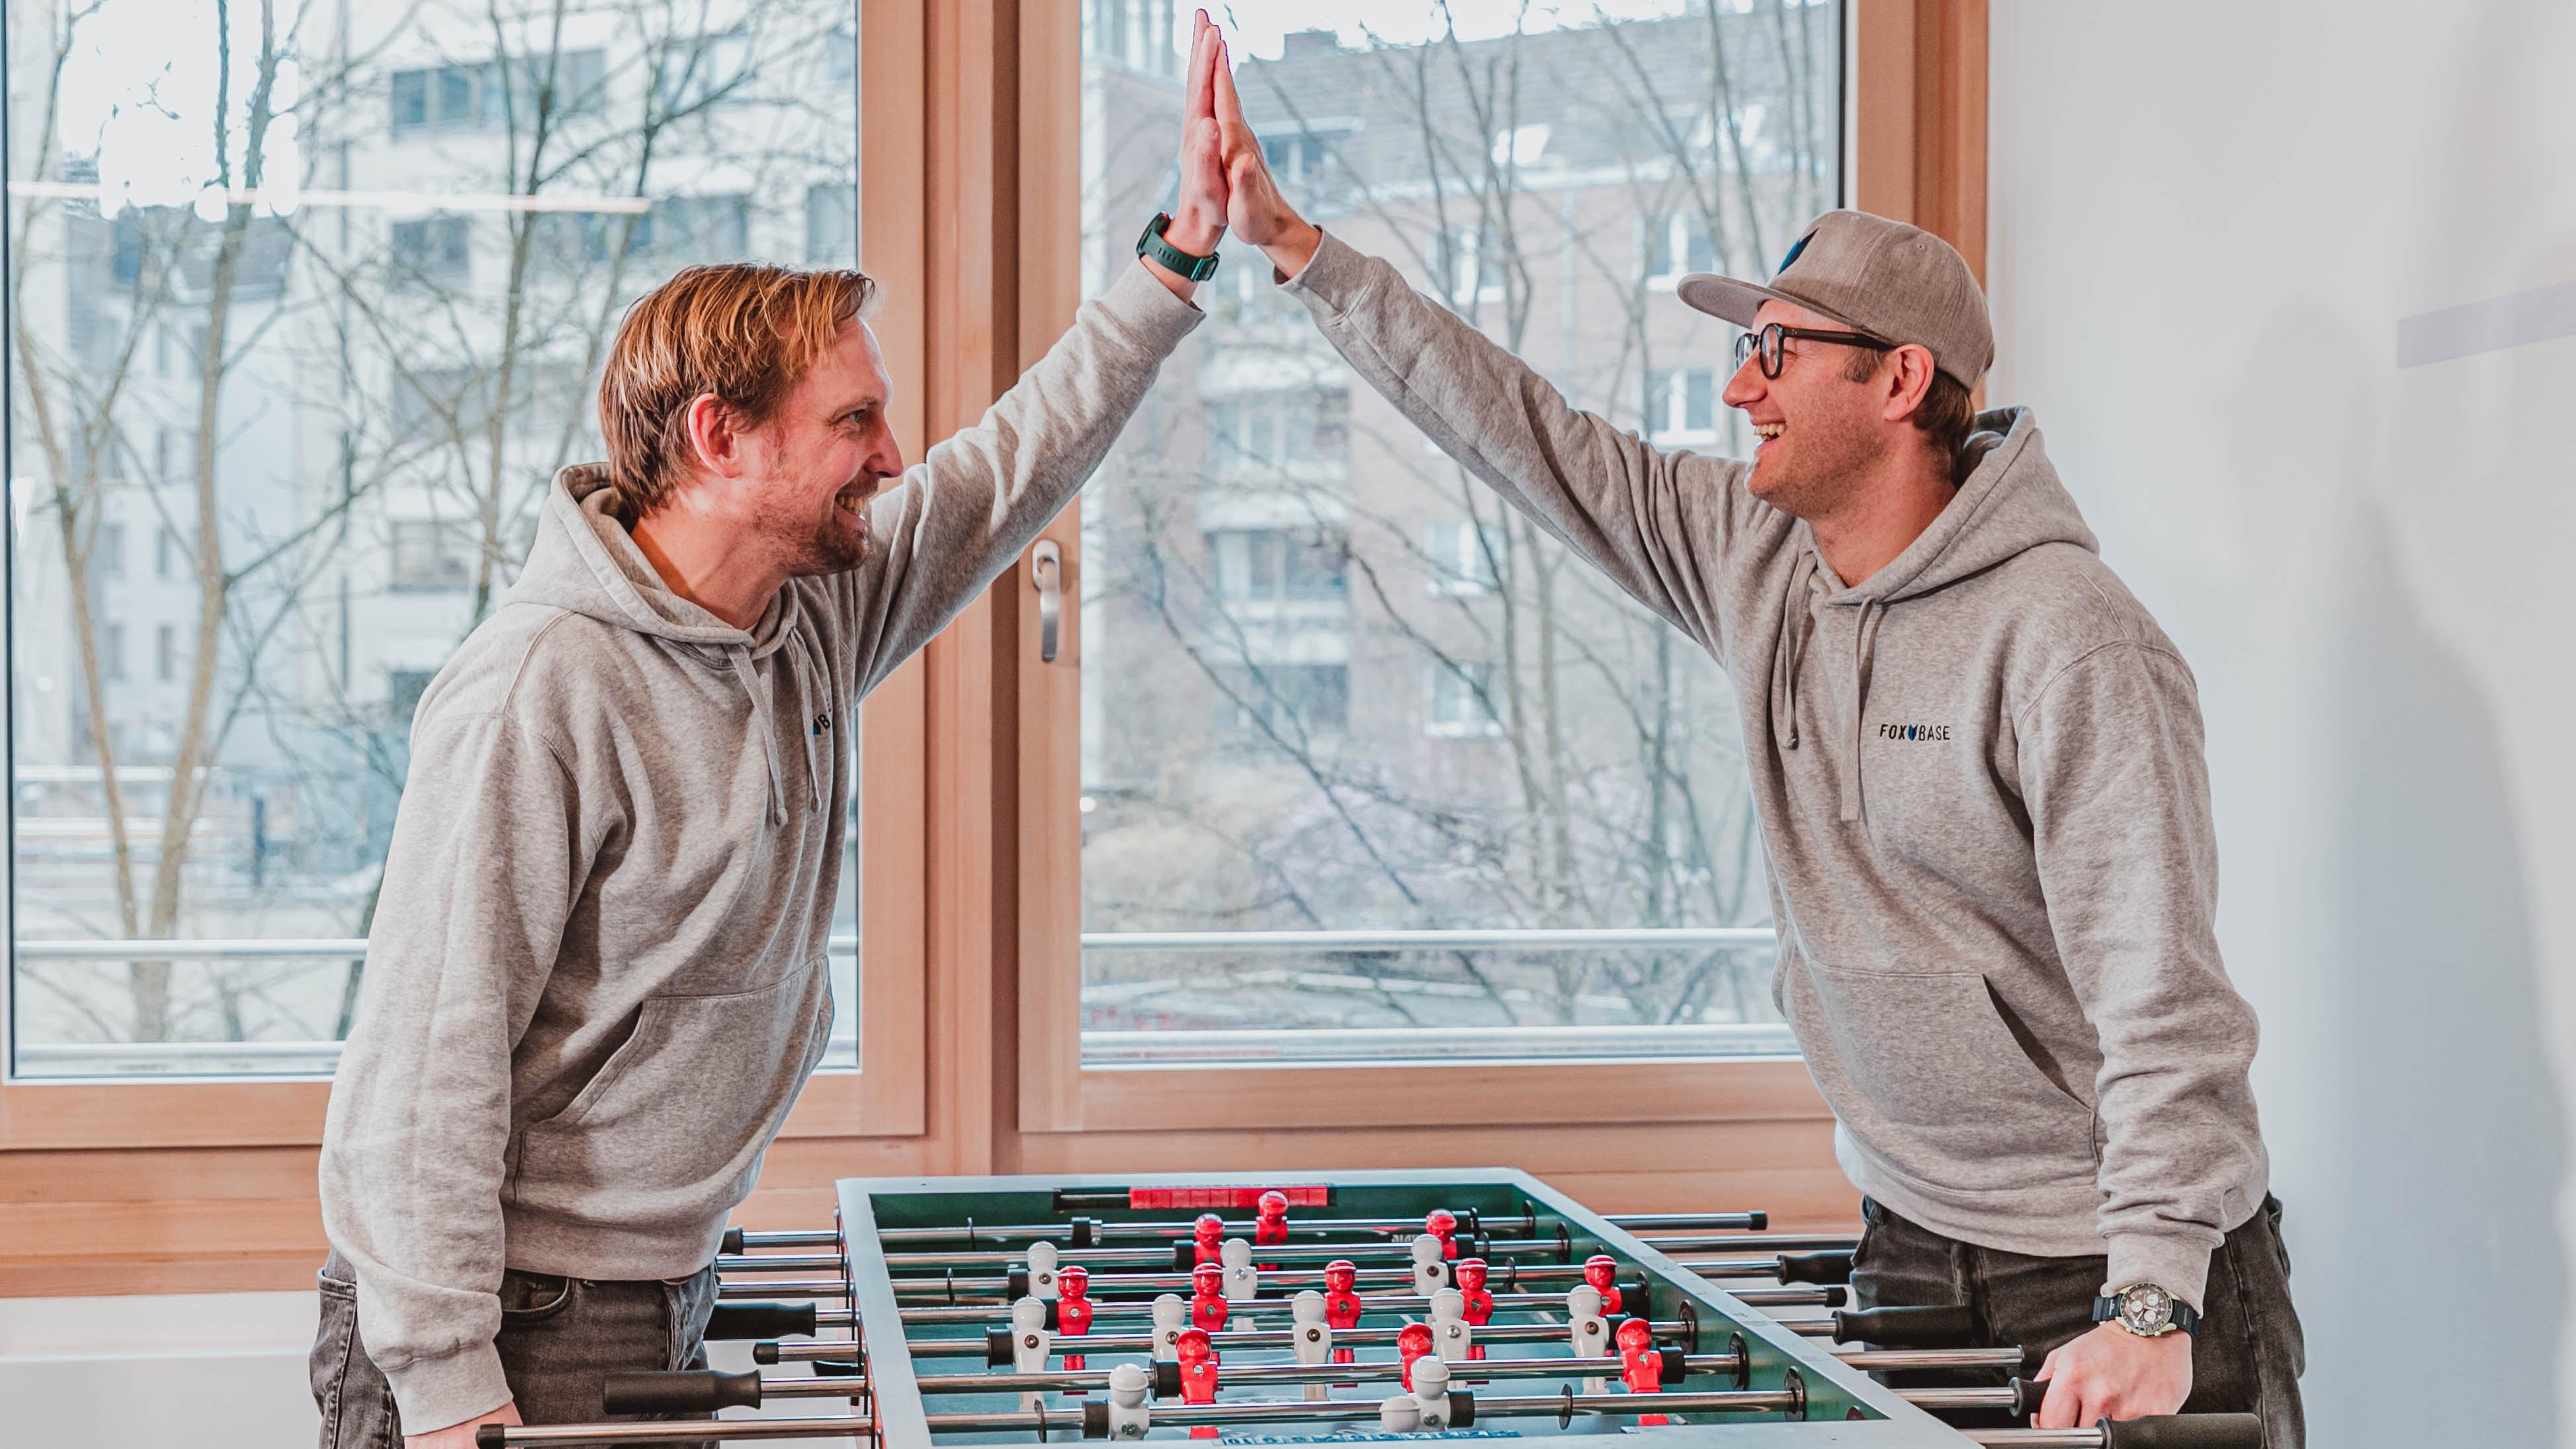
point(2145, 1308)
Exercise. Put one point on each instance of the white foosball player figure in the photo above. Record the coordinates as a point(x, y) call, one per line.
point(1451, 1335)
point(1590, 1333)
point(1242, 1280)
point(1430, 1265)
point(1171, 1315)
point(1042, 1270)
point(1431, 1392)
point(1400, 1415)
point(1030, 1342)
point(1128, 1416)
point(1312, 1337)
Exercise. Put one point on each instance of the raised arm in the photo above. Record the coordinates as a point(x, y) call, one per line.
point(974, 502)
point(1663, 526)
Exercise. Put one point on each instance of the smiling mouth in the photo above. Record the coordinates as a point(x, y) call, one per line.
point(1767, 431)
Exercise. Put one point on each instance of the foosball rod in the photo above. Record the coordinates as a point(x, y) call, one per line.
point(770, 1320)
point(2192, 1431)
point(1097, 1259)
point(1380, 1303)
point(1082, 1232)
point(1255, 1338)
point(722, 1390)
point(1823, 1267)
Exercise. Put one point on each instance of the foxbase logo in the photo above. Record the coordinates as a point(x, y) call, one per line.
point(1913, 732)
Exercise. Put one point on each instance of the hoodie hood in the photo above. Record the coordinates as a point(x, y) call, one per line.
point(2010, 503)
point(586, 562)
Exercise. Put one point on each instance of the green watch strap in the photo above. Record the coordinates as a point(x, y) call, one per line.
point(1151, 244)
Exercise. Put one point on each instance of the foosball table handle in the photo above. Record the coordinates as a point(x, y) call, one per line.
point(1817, 1268)
point(1946, 1326)
point(2184, 1431)
point(682, 1391)
point(761, 1320)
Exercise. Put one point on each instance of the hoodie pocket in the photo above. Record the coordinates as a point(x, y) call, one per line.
point(1928, 1077)
point(670, 1132)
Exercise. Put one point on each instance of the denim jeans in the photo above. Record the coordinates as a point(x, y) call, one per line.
point(2247, 1357)
point(560, 1338)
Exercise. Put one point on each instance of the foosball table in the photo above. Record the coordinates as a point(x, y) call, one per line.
point(1359, 1307)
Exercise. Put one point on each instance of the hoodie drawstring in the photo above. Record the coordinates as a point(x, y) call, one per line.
point(739, 656)
point(1864, 639)
point(1797, 625)
point(1797, 620)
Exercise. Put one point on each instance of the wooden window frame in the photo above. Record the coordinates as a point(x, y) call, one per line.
point(191, 1185)
point(1915, 149)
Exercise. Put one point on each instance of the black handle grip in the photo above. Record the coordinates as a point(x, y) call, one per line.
point(491, 1436)
point(2184, 1431)
point(1167, 1379)
point(1015, 1284)
point(1827, 1267)
point(1462, 1409)
point(731, 1242)
point(2026, 1396)
point(1676, 1366)
point(682, 1391)
point(761, 1320)
point(1946, 1326)
point(1757, 1220)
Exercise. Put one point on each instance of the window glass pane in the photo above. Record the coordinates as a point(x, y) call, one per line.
point(1428, 715)
point(435, 221)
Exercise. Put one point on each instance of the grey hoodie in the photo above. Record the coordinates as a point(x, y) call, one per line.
point(596, 977)
point(1980, 782)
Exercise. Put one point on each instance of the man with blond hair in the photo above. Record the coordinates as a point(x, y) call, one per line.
point(596, 979)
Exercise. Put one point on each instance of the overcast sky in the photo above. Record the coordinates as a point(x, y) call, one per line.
point(1254, 26)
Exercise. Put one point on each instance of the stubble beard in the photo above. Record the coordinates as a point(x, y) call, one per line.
point(1833, 456)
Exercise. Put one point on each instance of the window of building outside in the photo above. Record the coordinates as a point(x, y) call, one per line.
point(1467, 799)
point(411, 250)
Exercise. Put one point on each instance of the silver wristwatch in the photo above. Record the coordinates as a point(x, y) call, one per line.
point(2146, 1310)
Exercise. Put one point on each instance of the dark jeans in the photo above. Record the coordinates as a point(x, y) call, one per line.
point(2247, 1357)
point(560, 1338)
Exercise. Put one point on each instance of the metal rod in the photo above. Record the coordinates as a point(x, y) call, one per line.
point(1108, 1343)
point(987, 1314)
point(793, 1238)
point(1524, 1225)
point(1751, 1242)
point(2037, 1438)
point(778, 1263)
point(1998, 1398)
point(786, 1288)
point(1882, 1360)
point(1097, 1258)
point(1833, 1297)
point(1687, 1222)
point(684, 1431)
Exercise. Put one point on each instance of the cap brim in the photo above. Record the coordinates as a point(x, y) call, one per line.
point(1737, 302)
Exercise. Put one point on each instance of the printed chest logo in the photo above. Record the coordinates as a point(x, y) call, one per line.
point(1933, 732)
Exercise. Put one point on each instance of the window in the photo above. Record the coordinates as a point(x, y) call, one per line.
point(1676, 246)
point(1280, 429)
point(1461, 700)
point(431, 556)
point(1271, 565)
point(363, 335)
point(1519, 750)
point(436, 247)
point(1681, 405)
point(1463, 557)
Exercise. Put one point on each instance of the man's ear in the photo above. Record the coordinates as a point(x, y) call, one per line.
point(1909, 381)
point(715, 436)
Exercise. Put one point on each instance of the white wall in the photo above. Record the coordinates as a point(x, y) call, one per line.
point(2207, 220)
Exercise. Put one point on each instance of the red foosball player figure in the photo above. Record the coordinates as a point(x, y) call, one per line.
point(1602, 1272)
point(1443, 1224)
point(1411, 1342)
point(1342, 1301)
point(1641, 1367)
point(1480, 1303)
point(1197, 1363)
point(1073, 1314)
point(1209, 1233)
point(1207, 1297)
point(1270, 1220)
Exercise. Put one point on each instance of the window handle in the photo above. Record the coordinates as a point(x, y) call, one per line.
point(1046, 571)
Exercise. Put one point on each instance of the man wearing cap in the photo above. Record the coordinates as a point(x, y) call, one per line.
point(1977, 763)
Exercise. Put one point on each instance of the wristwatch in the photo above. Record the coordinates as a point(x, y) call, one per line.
point(2147, 1311)
point(1151, 244)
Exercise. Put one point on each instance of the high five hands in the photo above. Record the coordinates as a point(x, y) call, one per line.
point(1224, 178)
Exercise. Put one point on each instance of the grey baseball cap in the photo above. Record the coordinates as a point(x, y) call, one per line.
point(1895, 282)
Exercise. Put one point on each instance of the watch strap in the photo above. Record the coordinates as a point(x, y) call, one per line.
point(1181, 263)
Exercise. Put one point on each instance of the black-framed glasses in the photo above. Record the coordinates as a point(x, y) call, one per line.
point(1772, 342)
